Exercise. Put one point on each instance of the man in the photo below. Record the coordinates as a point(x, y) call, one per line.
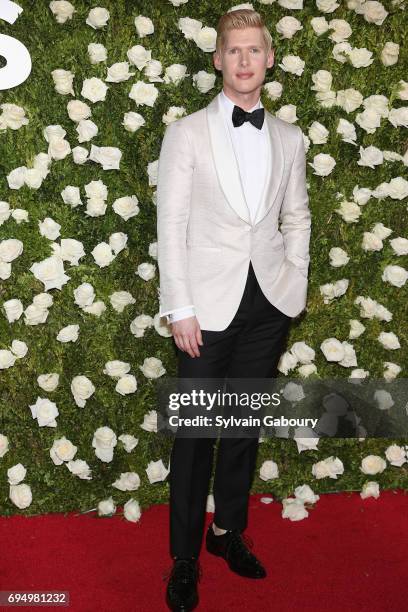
point(230, 281)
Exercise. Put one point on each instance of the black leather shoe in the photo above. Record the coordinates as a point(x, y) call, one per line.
point(181, 594)
point(233, 547)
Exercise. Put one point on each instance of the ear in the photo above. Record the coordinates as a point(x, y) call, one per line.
point(216, 60)
point(270, 58)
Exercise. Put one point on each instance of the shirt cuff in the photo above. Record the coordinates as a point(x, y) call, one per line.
point(180, 313)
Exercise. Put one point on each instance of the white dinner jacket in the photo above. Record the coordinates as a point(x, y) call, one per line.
point(205, 235)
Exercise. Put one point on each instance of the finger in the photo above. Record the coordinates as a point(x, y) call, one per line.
point(193, 344)
point(187, 346)
point(178, 339)
point(199, 337)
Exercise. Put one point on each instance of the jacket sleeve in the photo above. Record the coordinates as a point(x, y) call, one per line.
point(174, 189)
point(295, 214)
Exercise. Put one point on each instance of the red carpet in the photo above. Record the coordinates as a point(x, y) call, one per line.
point(349, 555)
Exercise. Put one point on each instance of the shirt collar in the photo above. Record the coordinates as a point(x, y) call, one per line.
point(229, 104)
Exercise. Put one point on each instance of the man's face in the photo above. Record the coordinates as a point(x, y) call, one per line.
point(243, 60)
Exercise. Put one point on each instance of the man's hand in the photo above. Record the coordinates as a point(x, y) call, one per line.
point(187, 335)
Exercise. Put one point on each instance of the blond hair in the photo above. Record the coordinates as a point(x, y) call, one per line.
point(238, 20)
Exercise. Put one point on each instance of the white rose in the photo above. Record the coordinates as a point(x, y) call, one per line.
point(34, 315)
point(378, 103)
point(71, 250)
point(78, 110)
point(383, 399)
point(323, 164)
point(97, 17)
point(97, 308)
point(121, 299)
point(10, 249)
point(330, 467)
point(63, 80)
point(80, 468)
point(304, 439)
point(358, 374)
point(5, 270)
point(204, 81)
point(369, 120)
point(104, 442)
point(319, 25)
point(146, 271)
point(79, 155)
point(373, 12)
point(341, 30)
point(303, 352)
point(360, 58)
point(287, 113)
point(381, 231)
point(152, 171)
point(371, 242)
point(86, 129)
point(205, 39)
point(71, 196)
point(322, 81)
point(97, 190)
point(140, 324)
point(349, 99)
point(398, 188)
point(287, 362)
point(293, 509)
point(48, 382)
point(106, 507)
point(152, 367)
point(108, 157)
point(292, 64)
point(139, 56)
point(318, 133)
point(69, 333)
point(21, 495)
point(327, 6)
point(189, 27)
point(128, 481)
point(4, 445)
point(347, 131)
point(49, 228)
point(306, 370)
point(13, 309)
point(94, 89)
point(150, 421)
point(293, 392)
point(396, 455)
point(16, 178)
point(349, 211)
point(16, 473)
point(50, 272)
point(126, 207)
point(13, 116)
point(144, 26)
point(126, 385)
point(19, 215)
point(45, 412)
point(399, 245)
point(174, 113)
point(156, 471)
point(95, 208)
point(5, 212)
point(132, 121)
point(273, 90)
point(117, 242)
point(116, 368)
point(391, 370)
point(59, 148)
point(97, 53)
point(119, 72)
point(153, 252)
point(268, 470)
point(129, 442)
point(288, 26)
point(389, 340)
point(373, 464)
point(144, 93)
point(84, 295)
point(175, 73)
point(102, 254)
point(62, 10)
point(395, 275)
point(62, 450)
point(332, 349)
point(370, 489)
point(131, 511)
point(82, 389)
point(162, 327)
point(356, 328)
point(305, 494)
point(338, 257)
point(19, 348)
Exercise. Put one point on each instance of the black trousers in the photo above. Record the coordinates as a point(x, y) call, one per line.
point(250, 347)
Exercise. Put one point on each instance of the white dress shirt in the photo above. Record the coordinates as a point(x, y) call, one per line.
point(249, 144)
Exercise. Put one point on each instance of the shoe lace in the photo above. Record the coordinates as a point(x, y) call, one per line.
point(184, 571)
point(240, 542)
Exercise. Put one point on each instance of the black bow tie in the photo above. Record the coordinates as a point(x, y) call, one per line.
point(239, 116)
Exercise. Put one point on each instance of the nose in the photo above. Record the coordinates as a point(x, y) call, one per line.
point(244, 58)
